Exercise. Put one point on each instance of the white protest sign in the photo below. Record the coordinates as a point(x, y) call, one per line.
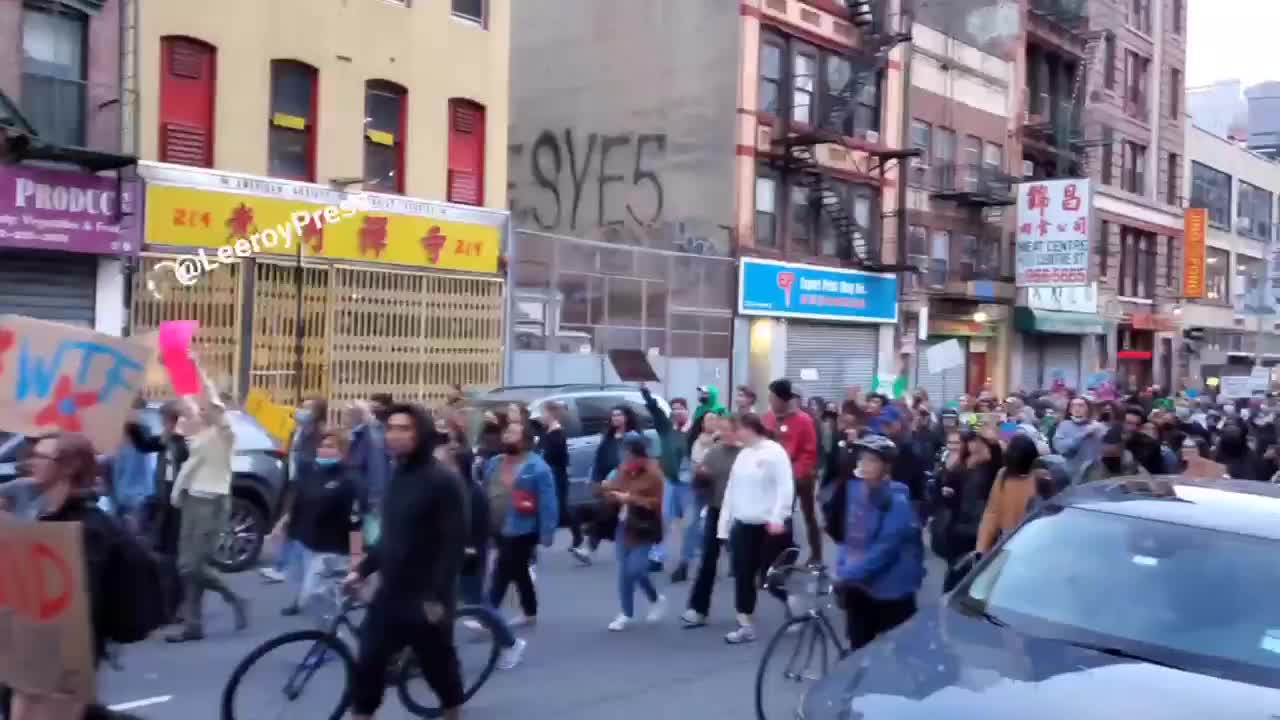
point(944, 356)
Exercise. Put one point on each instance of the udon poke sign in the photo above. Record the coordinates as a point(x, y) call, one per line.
point(56, 377)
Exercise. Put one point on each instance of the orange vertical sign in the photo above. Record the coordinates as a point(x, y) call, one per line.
point(1194, 222)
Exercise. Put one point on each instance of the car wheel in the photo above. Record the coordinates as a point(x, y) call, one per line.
point(240, 542)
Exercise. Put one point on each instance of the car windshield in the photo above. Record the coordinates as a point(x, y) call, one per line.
point(1178, 595)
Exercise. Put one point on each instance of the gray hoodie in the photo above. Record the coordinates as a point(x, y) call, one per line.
point(1080, 443)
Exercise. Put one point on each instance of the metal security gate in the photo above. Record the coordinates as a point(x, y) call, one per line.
point(943, 387)
point(49, 286)
point(214, 301)
point(1031, 367)
point(841, 355)
point(1060, 355)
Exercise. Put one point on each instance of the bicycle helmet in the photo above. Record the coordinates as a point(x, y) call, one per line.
point(878, 444)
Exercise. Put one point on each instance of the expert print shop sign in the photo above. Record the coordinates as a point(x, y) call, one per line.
point(1053, 233)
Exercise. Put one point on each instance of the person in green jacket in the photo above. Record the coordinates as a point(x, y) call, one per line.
point(675, 434)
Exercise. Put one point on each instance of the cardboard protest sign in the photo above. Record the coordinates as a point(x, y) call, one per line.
point(275, 418)
point(632, 366)
point(56, 377)
point(175, 353)
point(45, 645)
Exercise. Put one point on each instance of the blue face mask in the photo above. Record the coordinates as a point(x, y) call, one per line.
point(302, 415)
point(326, 462)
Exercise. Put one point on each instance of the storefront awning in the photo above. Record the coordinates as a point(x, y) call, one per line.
point(1057, 323)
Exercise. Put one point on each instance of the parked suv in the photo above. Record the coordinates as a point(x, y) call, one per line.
point(257, 485)
point(588, 410)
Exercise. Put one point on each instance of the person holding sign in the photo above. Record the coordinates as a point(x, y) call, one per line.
point(202, 491)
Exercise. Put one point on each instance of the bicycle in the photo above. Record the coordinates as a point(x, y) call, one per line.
point(812, 633)
point(330, 644)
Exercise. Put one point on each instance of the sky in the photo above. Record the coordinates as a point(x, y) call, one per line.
point(1230, 39)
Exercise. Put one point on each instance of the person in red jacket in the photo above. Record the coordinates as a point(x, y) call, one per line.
point(795, 431)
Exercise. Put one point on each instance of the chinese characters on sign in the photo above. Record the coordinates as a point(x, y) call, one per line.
point(1193, 230)
point(1053, 232)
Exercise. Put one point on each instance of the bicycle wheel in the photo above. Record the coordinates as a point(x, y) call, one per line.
point(290, 664)
point(798, 655)
point(477, 648)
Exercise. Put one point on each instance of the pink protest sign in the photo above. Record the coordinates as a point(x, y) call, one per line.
point(175, 355)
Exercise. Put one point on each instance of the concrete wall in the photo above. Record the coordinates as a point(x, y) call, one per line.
point(419, 46)
point(622, 121)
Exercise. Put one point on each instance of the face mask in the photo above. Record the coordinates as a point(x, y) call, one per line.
point(326, 462)
point(512, 448)
point(302, 415)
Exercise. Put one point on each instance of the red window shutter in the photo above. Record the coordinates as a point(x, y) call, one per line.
point(466, 152)
point(188, 70)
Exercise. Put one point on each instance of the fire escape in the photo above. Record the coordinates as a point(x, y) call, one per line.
point(1054, 129)
point(797, 152)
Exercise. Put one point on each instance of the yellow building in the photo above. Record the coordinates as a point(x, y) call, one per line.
point(267, 108)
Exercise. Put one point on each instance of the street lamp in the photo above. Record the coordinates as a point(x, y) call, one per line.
point(980, 317)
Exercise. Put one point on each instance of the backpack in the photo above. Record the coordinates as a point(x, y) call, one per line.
point(145, 592)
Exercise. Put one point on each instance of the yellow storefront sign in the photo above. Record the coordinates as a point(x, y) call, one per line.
point(198, 218)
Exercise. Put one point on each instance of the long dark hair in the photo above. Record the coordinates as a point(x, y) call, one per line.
point(425, 428)
point(632, 422)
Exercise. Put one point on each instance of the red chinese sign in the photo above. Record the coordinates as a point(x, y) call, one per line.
point(1052, 245)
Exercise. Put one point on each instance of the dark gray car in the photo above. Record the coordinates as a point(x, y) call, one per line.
point(257, 485)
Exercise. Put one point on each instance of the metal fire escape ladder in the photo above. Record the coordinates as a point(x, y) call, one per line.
point(866, 62)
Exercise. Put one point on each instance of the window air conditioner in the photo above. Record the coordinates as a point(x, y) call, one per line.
point(1028, 169)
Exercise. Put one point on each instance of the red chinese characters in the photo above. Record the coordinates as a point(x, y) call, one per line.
point(1070, 200)
point(373, 235)
point(313, 235)
point(433, 242)
point(241, 223)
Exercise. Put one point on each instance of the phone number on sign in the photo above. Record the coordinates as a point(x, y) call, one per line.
point(1061, 276)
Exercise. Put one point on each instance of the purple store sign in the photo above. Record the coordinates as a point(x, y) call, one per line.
point(45, 209)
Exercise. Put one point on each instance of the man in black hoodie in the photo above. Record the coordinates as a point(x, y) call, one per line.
point(419, 554)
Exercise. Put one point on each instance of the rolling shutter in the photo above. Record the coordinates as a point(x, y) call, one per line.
point(1031, 369)
point(943, 387)
point(843, 355)
point(1061, 359)
point(57, 286)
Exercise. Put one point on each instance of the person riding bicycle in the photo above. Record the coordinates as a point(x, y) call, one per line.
point(419, 555)
point(880, 554)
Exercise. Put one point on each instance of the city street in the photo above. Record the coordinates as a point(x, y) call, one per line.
point(574, 669)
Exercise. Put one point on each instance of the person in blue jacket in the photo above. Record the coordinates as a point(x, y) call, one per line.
point(523, 512)
point(880, 558)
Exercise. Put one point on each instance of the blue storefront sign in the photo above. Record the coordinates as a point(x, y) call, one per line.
point(778, 289)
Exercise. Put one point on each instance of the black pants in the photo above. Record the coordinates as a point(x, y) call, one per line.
point(512, 566)
point(754, 550)
point(700, 596)
point(383, 634)
point(868, 617)
point(568, 517)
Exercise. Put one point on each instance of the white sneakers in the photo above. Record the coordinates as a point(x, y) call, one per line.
point(658, 610)
point(511, 657)
point(693, 619)
point(522, 620)
point(271, 575)
point(619, 623)
point(744, 634)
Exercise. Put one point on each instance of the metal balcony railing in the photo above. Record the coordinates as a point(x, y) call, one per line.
point(1072, 14)
point(74, 112)
point(970, 257)
point(970, 184)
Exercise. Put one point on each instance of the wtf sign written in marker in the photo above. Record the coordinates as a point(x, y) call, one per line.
point(56, 377)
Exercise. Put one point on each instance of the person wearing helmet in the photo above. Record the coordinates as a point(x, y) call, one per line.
point(880, 549)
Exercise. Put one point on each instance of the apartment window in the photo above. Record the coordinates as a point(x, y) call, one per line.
point(804, 219)
point(1137, 263)
point(1108, 155)
point(804, 82)
point(54, 72)
point(1133, 178)
point(1211, 190)
point(466, 152)
point(1171, 264)
point(385, 132)
point(971, 161)
point(770, 75)
point(1251, 275)
point(865, 201)
point(1176, 11)
point(291, 128)
point(1109, 59)
point(1253, 214)
point(917, 250)
point(1140, 15)
point(1136, 68)
point(837, 74)
point(939, 251)
point(1175, 92)
point(1173, 167)
point(473, 10)
point(944, 156)
point(866, 109)
point(766, 211)
point(921, 133)
point(992, 157)
point(1217, 275)
point(967, 256)
point(188, 86)
point(1104, 248)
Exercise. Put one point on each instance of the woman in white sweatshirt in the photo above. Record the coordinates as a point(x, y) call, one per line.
point(757, 503)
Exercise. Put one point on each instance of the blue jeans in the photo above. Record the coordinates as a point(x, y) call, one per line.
point(289, 561)
point(471, 591)
point(680, 501)
point(633, 570)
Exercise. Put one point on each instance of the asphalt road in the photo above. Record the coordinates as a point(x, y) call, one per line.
point(574, 669)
